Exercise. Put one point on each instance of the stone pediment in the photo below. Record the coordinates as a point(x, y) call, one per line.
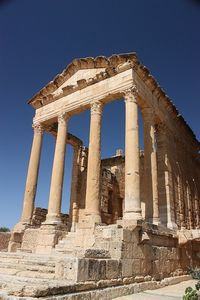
point(80, 73)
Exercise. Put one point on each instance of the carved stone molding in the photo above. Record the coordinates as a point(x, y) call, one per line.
point(131, 94)
point(38, 128)
point(96, 107)
point(63, 117)
point(148, 114)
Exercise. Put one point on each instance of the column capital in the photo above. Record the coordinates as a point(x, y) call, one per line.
point(131, 94)
point(96, 107)
point(63, 117)
point(38, 128)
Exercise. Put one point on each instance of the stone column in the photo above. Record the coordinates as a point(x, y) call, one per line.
point(92, 201)
point(196, 206)
point(166, 201)
point(32, 176)
point(55, 197)
point(150, 167)
point(189, 206)
point(74, 188)
point(132, 177)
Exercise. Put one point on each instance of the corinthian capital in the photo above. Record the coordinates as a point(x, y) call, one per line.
point(63, 118)
point(131, 94)
point(96, 107)
point(38, 128)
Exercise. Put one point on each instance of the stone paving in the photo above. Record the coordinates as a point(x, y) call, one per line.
point(170, 292)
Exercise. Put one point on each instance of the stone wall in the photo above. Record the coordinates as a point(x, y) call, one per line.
point(4, 240)
point(112, 187)
point(39, 216)
point(131, 255)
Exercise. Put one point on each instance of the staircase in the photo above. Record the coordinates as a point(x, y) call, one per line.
point(75, 243)
point(27, 265)
point(67, 245)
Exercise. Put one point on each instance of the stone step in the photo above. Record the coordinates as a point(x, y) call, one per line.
point(65, 242)
point(28, 267)
point(27, 274)
point(28, 259)
point(19, 286)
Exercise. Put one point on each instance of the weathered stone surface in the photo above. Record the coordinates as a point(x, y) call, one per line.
point(4, 240)
point(97, 253)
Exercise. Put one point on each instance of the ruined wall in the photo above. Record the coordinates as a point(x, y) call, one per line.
point(112, 187)
point(39, 216)
point(4, 240)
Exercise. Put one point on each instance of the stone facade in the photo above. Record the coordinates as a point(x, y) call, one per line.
point(133, 217)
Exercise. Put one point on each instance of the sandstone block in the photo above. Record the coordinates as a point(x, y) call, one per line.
point(113, 269)
point(127, 267)
point(96, 269)
point(139, 278)
point(136, 267)
point(97, 253)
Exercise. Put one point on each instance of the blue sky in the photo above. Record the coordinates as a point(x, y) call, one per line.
point(39, 38)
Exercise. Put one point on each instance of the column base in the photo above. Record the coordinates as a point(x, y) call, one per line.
point(130, 224)
point(89, 220)
point(17, 236)
point(154, 221)
point(49, 236)
point(172, 225)
point(52, 220)
point(73, 226)
point(133, 215)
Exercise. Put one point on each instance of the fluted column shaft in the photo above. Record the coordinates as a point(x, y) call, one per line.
point(150, 167)
point(92, 204)
point(132, 176)
point(55, 196)
point(32, 175)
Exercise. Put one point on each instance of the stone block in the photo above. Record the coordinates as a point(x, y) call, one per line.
point(102, 270)
point(97, 253)
point(127, 250)
point(71, 269)
point(82, 274)
point(139, 278)
point(96, 269)
point(59, 269)
point(145, 267)
point(136, 267)
point(147, 278)
point(113, 269)
point(127, 267)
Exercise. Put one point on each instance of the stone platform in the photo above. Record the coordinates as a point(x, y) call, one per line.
point(103, 263)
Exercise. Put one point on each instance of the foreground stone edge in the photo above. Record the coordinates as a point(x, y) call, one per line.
point(109, 292)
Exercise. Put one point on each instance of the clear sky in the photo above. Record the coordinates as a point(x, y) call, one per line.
point(39, 38)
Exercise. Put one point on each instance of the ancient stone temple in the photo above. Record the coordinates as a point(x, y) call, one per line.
point(134, 218)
